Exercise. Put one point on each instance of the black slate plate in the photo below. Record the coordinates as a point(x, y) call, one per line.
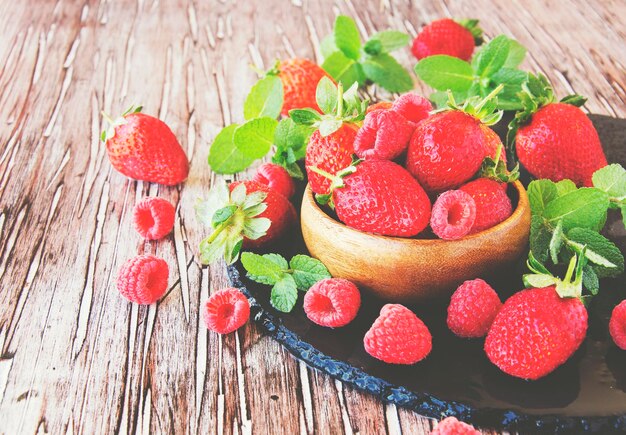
point(588, 393)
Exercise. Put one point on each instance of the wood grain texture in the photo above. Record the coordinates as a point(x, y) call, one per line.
point(74, 356)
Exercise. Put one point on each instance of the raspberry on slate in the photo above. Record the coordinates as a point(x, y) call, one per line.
point(398, 336)
point(617, 325)
point(153, 218)
point(412, 107)
point(332, 302)
point(143, 279)
point(492, 203)
point(444, 36)
point(453, 215)
point(384, 135)
point(277, 178)
point(452, 426)
point(226, 311)
point(472, 308)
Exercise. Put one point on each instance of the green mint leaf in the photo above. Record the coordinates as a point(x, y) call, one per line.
point(343, 69)
point(600, 251)
point(307, 271)
point(512, 81)
point(294, 171)
point(612, 180)
point(556, 242)
point(284, 294)
point(443, 72)
point(304, 116)
point(224, 156)
point(255, 138)
point(565, 186)
point(585, 208)
point(540, 237)
point(291, 140)
point(373, 47)
point(326, 95)
point(623, 210)
point(517, 53)
point(389, 40)
point(347, 37)
point(540, 193)
point(266, 269)
point(385, 71)
point(265, 99)
point(222, 215)
point(590, 280)
point(492, 56)
point(328, 46)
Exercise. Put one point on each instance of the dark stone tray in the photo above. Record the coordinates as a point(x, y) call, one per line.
point(588, 393)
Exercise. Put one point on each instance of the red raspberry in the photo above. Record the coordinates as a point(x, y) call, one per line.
point(398, 336)
point(492, 203)
point(472, 308)
point(154, 218)
point(332, 302)
point(143, 279)
point(412, 107)
point(452, 426)
point(453, 215)
point(378, 106)
point(384, 135)
point(617, 325)
point(226, 311)
point(444, 36)
point(277, 178)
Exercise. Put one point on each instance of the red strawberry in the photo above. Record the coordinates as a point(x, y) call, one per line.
point(300, 78)
point(617, 325)
point(277, 178)
point(226, 311)
point(379, 196)
point(492, 203)
point(446, 150)
point(535, 332)
point(143, 279)
point(452, 426)
point(398, 336)
point(332, 302)
point(384, 134)
point(331, 154)
point(279, 211)
point(493, 143)
point(446, 36)
point(472, 308)
point(143, 147)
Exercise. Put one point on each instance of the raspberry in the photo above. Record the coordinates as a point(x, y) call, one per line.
point(226, 311)
point(492, 203)
point(332, 302)
point(379, 106)
point(143, 279)
point(277, 178)
point(412, 107)
point(617, 325)
point(154, 218)
point(453, 215)
point(472, 308)
point(452, 426)
point(384, 135)
point(398, 336)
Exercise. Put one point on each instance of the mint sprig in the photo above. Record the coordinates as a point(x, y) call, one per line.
point(349, 61)
point(286, 278)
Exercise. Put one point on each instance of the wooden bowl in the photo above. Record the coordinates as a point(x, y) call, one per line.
point(411, 270)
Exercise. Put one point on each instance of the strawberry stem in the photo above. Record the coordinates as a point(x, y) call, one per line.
point(492, 94)
point(218, 230)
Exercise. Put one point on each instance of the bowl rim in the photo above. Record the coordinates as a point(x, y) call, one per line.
point(523, 206)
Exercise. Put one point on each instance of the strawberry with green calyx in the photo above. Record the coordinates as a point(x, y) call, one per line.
point(448, 148)
point(143, 147)
point(378, 196)
point(494, 168)
point(246, 213)
point(555, 140)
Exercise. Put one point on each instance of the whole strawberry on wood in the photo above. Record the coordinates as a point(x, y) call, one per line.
point(144, 148)
point(555, 140)
point(446, 36)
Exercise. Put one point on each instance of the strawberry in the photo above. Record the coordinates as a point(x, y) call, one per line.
point(472, 308)
point(556, 140)
point(300, 78)
point(492, 203)
point(448, 148)
point(143, 147)
point(617, 325)
point(379, 196)
point(331, 154)
point(277, 178)
point(535, 332)
point(446, 36)
point(245, 213)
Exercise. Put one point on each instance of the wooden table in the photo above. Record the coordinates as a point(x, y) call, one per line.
point(75, 356)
